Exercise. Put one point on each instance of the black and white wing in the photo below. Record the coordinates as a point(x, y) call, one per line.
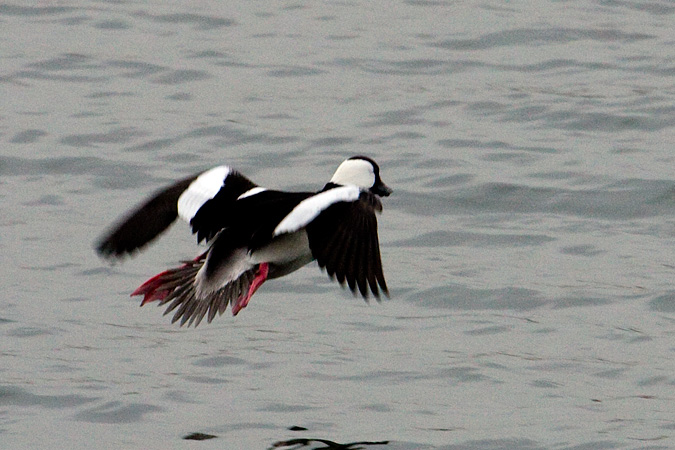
point(207, 203)
point(342, 230)
point(202, 200)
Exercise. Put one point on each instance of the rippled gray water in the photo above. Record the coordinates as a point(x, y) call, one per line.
point(528, 245)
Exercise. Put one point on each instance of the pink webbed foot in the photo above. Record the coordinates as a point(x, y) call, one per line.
point(259, 279)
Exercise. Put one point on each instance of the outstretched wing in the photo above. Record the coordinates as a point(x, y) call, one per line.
point(143, 224)
point(202, 200)
point(343, 239)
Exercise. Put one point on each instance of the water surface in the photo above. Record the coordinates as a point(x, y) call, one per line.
point(528, 245)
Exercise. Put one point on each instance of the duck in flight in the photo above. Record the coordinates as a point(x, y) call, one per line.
point(255, 234)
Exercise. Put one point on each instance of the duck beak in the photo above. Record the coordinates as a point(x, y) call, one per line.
point(381, 189)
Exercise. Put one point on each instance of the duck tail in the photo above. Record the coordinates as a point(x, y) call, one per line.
point(163, 284)
point(177, 289)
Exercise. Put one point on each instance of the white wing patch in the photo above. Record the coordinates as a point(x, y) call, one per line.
point(308, 209)
point(204, 188)
point(253, 191)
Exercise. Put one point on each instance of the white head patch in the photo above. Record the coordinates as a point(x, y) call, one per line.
point(358, 172)
point(200, 191)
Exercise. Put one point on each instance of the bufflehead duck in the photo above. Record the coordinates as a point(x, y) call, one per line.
point(255, 234)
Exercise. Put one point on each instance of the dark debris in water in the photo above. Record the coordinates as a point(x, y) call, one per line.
point(199, 437)
point(295, 444)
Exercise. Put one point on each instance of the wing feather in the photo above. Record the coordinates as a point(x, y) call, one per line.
point(204, 200)
point(310, 208)
point(364, 263)
point(144, 223)
point(209, 201)
point(378, 269)
point(343, 239)
point(342, 255)
point(372, 277)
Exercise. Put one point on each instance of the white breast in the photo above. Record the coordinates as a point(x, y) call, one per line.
point(283, 249)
